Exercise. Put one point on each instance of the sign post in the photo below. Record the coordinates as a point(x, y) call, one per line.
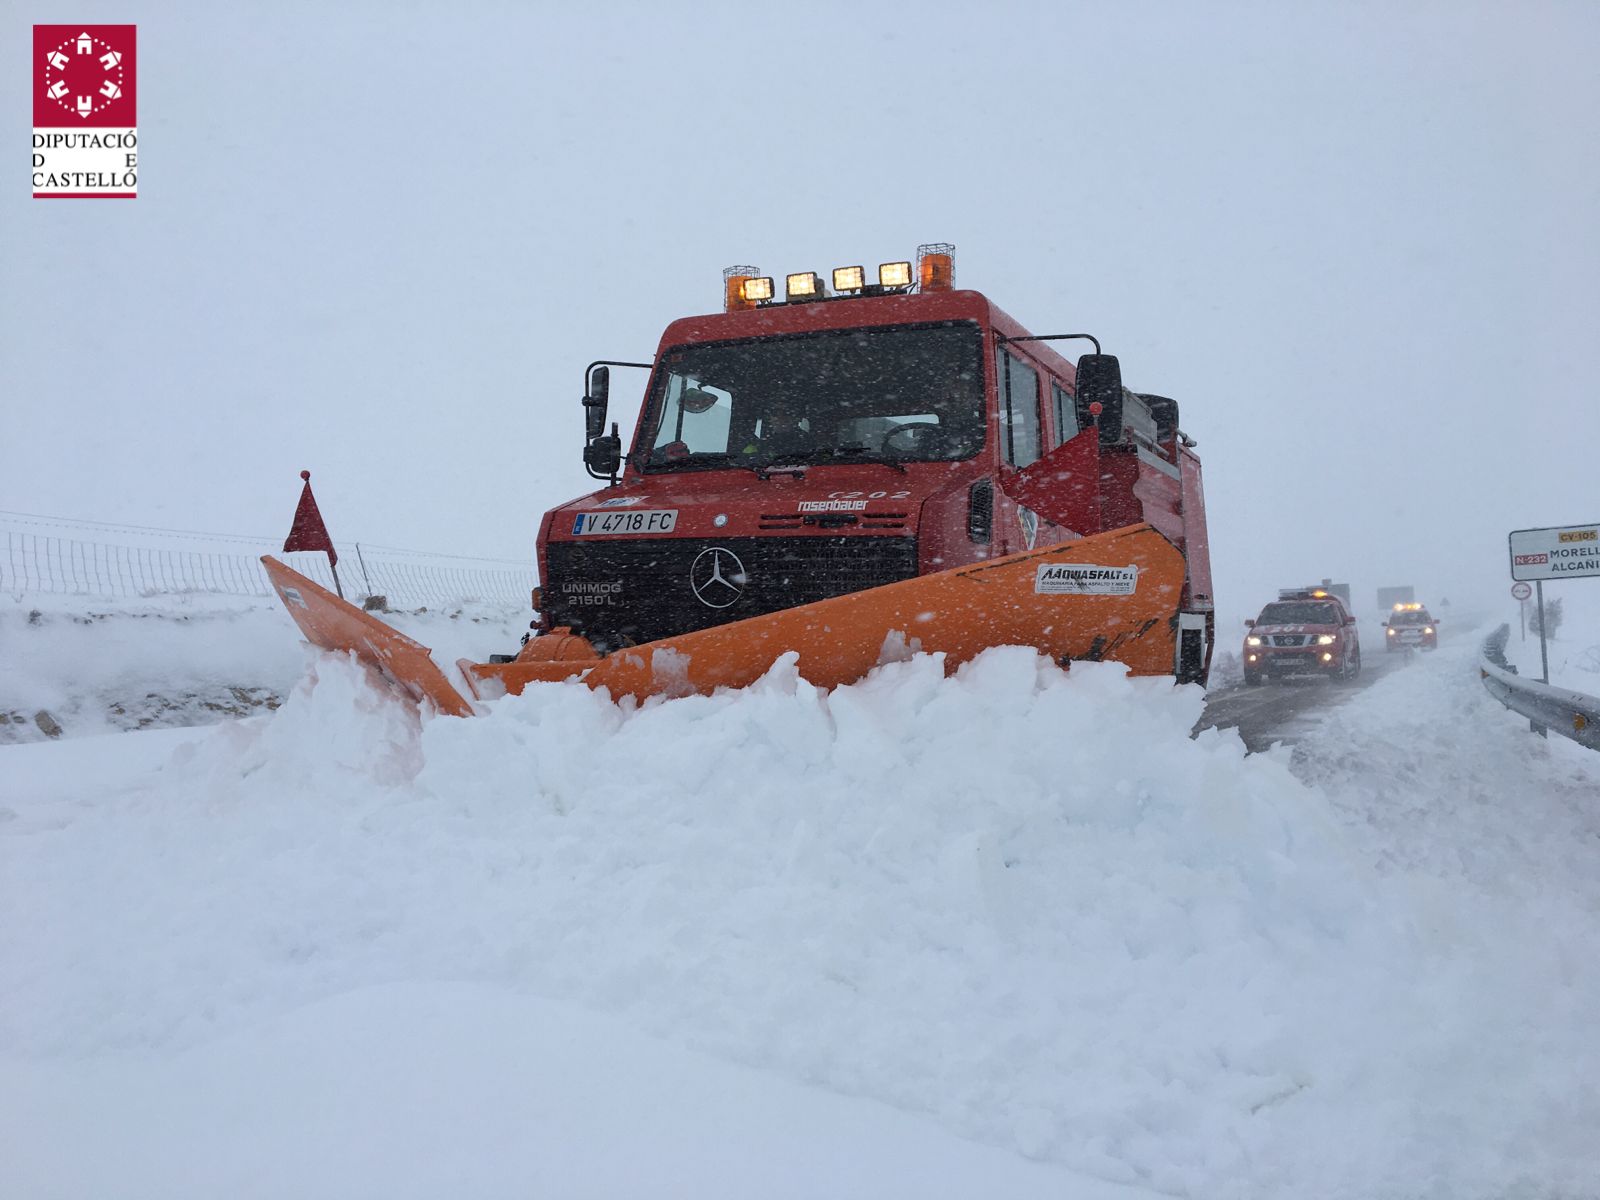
point(1544, 654)
point(1520, 593)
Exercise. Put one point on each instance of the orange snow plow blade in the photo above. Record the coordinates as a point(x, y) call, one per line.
point(1109, 596)
point(335, 624)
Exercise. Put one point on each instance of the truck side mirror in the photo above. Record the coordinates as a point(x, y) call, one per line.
point(1100, 383)
point(1165, 411)
point(1250, 623)
point(603, 455)
point(597, 393)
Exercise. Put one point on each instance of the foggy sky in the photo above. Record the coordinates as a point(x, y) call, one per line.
point(1358, 243)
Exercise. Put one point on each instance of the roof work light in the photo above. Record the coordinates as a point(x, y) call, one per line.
point(849, 279)
point(894, 274)
point(804, 285)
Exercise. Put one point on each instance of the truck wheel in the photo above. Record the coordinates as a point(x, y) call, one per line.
point(1352, 666)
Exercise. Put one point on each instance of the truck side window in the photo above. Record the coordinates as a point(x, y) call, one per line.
point(1019, 409)
point(1066, 413)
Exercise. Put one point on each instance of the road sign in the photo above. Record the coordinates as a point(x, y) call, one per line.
point(1520, 591)
point(1563, 552)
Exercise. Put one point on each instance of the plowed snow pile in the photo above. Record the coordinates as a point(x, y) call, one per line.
point(1023, 903)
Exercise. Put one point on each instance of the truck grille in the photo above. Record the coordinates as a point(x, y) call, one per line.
point(619, 593)
point(1290, 639)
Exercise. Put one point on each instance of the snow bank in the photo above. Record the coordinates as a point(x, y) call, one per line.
point(179, 660)
point(1023, 903)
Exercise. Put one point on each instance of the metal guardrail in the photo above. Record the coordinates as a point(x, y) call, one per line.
point(1571, 714)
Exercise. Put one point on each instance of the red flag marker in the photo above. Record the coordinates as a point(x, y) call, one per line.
point(309, 533)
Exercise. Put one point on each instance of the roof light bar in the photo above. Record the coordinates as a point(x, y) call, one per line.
point(745, 287)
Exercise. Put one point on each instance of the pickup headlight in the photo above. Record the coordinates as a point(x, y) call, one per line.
point(1391, 633)
point(1252, 640)
point(1427, 629)
point(1327, 639)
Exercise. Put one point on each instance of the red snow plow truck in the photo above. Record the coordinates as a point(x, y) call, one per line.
point(851, 473)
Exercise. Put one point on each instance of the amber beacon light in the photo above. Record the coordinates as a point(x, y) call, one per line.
point(735, 296)
point(936, 267)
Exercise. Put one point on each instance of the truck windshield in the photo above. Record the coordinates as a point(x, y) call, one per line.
point(892, 394)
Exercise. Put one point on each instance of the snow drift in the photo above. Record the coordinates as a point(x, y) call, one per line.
point(1021, 902)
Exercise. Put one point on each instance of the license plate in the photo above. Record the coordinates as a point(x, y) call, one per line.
point(644, 520)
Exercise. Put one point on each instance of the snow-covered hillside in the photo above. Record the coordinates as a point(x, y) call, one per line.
point(1022, 908)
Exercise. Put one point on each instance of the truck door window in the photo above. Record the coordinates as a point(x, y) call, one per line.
point(1066, 410)
point(1019, 409)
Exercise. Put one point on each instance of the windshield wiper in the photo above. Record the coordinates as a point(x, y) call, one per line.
point(696, 461)
point(860, 454)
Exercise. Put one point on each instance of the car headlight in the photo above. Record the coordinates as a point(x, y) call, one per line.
point(1252, 640)
point(1391, 633)
point(1427, 629)
point(1326, 639)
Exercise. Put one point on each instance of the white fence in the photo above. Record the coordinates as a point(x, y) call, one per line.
point(49, 563)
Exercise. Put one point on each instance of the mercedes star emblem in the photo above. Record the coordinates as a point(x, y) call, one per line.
point(717, 577)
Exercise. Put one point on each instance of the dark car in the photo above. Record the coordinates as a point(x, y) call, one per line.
point(1307, 633)
point(1411, 625)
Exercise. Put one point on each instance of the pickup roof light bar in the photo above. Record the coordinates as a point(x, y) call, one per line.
point(746, 287)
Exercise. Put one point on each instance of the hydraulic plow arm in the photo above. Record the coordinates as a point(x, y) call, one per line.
point(1110, 596)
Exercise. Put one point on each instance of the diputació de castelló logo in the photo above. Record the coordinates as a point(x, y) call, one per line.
point(85, 118)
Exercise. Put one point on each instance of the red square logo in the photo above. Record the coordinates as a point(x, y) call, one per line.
point(84, 76)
